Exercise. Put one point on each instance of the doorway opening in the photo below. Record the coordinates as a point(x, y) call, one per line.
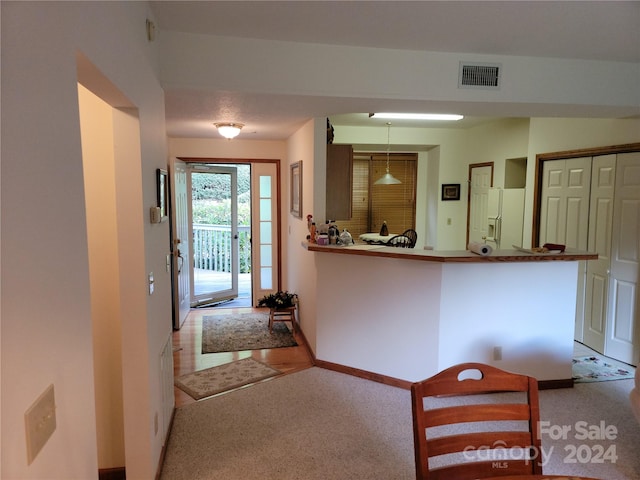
point(225, 232)
point(220, 212)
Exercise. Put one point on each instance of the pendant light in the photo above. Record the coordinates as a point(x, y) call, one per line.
point(387, 178)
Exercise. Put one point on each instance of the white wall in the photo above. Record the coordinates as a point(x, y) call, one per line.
point(335, 72)
point(46, 309)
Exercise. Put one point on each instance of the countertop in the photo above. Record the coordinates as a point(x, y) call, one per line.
point(448, 256)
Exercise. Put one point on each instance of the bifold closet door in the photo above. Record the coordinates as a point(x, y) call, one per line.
point(596, 301)
point(623, 326)
point(564, 214)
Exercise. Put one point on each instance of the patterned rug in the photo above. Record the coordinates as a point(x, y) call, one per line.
point(211, 381)
point(246, 331)
point(600, 369)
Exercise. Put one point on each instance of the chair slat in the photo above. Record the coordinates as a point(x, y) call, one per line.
point(475, 413)
point(475, 470)
point(474, 441)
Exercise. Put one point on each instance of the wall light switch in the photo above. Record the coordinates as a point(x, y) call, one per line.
point(40, 422)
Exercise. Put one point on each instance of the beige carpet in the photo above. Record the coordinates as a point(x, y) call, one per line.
point(211, 381)
point(322, 425)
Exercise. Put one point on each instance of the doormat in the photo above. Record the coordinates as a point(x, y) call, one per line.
point(600, 369)
point(245, 331)
point(211, 381)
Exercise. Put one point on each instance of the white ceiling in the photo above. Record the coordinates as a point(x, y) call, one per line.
point(523, 28)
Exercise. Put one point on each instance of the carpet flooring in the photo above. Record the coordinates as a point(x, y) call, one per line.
point(245, 331)
point(595, 368)
point(322, 425)
point(211, 381)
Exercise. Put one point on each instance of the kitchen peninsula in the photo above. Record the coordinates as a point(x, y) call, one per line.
point(405, 314)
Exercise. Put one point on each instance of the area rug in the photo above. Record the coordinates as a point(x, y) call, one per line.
point(599, 369)
point(246, 331)
point(211, 381)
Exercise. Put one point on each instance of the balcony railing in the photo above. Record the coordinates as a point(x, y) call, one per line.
point(212, 247)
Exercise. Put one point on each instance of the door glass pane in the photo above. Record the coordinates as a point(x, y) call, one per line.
point(265, 278)
point(265, 256)
point(265, 209)
point(265, 186)
point(265, 232)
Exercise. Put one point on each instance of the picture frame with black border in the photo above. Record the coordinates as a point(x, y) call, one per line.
point(296, 189)
point(162, 185)
point(450, 191)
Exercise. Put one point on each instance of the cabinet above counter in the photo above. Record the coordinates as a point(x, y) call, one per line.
point(448, 256)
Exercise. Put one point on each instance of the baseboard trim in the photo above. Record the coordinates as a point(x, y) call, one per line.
point(552, 384)
point(356, 372)
point(118, 473)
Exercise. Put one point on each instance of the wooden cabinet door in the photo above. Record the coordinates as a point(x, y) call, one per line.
point(339, 181)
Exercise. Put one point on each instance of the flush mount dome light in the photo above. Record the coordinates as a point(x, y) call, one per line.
point(418, 116)
point(229, 130)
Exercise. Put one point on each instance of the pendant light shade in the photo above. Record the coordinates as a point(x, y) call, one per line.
point(387, 178)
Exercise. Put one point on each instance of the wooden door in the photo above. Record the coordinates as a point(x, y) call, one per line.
point(564, 215)
point(623, 326)
point(480, 181)
point(597, 271)
point(180, 250)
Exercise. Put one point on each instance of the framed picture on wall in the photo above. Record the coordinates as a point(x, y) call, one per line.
point(450, 191)
point(296, 189)
point(162, 183)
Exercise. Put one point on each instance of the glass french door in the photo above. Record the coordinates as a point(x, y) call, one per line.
point(213, 210)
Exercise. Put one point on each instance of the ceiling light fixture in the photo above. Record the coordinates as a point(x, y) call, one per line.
point(418, 116)
point(229, 130)
point(387, 178)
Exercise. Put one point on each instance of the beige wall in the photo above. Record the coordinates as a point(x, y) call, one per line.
point(96, 118)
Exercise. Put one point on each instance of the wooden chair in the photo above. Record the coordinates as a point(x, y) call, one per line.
point(401, 241)
point(486, 430)
point(412, 235)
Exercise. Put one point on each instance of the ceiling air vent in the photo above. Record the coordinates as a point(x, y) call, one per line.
point(479, 75)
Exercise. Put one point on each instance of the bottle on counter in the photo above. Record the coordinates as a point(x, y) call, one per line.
point(384, 231)
point(312, 233)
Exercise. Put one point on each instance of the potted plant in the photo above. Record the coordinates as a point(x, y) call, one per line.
point(279, 300)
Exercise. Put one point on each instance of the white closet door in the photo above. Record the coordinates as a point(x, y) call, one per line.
point(623, 329)
point(597, 271)
point(564, 215)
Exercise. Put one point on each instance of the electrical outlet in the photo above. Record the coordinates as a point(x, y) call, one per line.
point(151, 283)
point(448, 221)
point(40, 422)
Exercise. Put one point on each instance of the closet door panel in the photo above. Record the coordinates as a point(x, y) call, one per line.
point(599, 241)
point(623, 328)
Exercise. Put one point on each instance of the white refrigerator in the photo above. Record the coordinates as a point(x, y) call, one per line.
point(505, 212)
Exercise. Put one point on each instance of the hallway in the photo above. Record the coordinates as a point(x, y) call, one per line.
point(188, 356)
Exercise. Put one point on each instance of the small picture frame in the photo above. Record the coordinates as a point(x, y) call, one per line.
point(450, 191)
point(162, 184)
point(296, 189)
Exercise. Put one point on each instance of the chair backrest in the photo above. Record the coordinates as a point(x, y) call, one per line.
point(466, 428)
point(413, 235)
point(401, 241)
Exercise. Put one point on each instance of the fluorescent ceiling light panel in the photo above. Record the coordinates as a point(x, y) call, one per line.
point(418, 116)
